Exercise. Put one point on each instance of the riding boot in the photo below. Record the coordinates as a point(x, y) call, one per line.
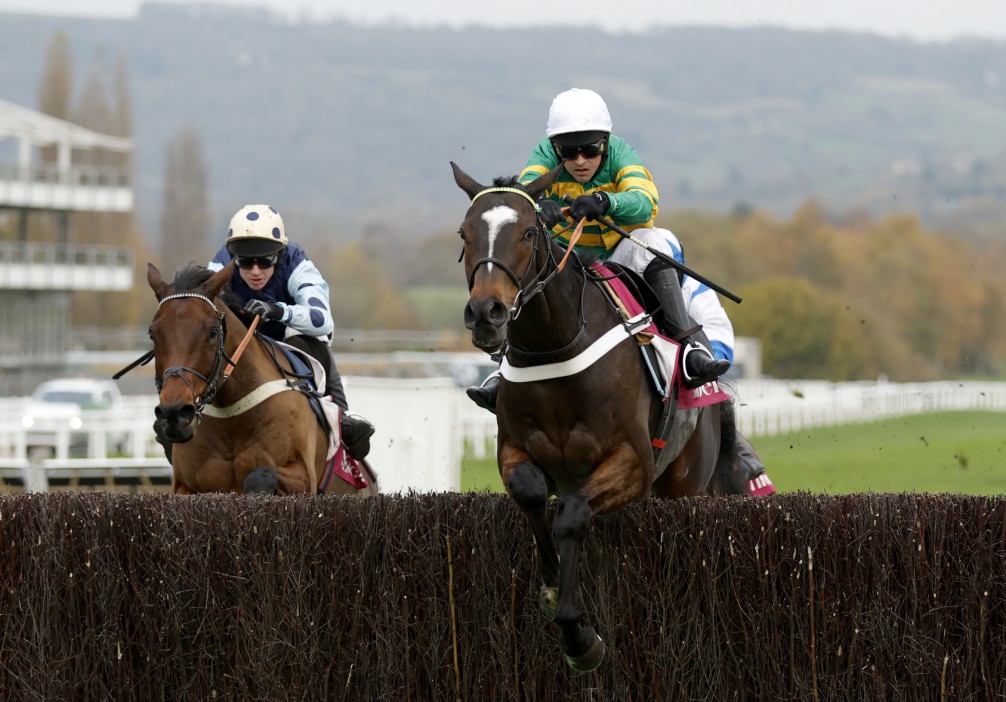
point(697, 362)
point(356, 432)
point(333, 384)
point(484, 395)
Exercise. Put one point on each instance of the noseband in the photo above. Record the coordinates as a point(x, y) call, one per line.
point(214, 379)
point(525, 292)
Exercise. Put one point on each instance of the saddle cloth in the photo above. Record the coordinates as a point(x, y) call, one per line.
point(666, 349)
point(338, 462)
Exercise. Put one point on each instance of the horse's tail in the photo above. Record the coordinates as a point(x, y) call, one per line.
point(729, 477)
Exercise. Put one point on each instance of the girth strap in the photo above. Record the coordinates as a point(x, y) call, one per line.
point(583, 360)
point(255, 397)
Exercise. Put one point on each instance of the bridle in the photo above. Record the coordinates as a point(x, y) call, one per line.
point(541, 276)
point(525, 291)
point(215, 378)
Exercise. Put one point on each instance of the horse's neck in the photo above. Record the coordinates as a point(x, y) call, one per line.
point(552, 320)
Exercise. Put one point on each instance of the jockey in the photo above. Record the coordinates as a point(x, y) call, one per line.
point(603, 176)
point(275, 279)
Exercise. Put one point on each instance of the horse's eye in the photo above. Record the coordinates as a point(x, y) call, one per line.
point(150, 333)
point(461, 234)
point(214, 332)
point(529, 234)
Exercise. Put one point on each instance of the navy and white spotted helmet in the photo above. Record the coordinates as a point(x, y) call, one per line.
point(256, 230)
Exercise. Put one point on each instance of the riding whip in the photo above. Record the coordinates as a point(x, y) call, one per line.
point(662, 256)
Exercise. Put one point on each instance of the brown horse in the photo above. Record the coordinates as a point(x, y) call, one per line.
point(585, 436)
point(248, 431)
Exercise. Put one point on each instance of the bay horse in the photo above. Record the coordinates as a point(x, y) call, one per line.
point(585, 436)
point(225, 401)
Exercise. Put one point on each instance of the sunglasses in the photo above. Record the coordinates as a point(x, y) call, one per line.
point(263, 262)
point(591, 150)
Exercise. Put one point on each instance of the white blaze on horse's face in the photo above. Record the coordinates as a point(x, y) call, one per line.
point(495, 219)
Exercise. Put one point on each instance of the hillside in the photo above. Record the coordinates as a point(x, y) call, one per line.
point(349, 130)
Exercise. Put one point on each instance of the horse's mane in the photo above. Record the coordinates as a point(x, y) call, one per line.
point(191, 277)
point(506, 182)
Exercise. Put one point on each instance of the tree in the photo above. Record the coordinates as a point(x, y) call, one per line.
point(185, 214)
point(56, 86)
point(361, 294)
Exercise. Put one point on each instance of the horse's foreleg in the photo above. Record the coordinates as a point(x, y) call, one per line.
point(581, 644)
point(528, 488)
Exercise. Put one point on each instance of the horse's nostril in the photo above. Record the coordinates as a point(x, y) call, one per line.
point(498, 313)
point(470, 317)
point(186, 414)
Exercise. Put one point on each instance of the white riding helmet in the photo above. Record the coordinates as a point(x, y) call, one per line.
point(577, 110)
point(256, 230)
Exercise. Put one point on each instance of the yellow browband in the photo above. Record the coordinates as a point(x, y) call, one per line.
point(517, 191)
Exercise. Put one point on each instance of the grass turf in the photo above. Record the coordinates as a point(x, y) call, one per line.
point(955, 452)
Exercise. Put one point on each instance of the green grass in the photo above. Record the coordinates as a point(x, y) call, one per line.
point(958, 452)
point(955, 452)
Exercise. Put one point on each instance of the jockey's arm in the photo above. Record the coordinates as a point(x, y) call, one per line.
point(311, 312)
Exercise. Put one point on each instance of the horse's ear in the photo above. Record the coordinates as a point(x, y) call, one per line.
point(219, 279)
point(466, 182)
point(155, 281)
point(540, 184)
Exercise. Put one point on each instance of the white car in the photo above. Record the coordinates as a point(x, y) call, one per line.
point(62, 405)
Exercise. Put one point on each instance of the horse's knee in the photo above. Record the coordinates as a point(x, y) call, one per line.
point(572, 519)
point(528, 488)
point(261, 481)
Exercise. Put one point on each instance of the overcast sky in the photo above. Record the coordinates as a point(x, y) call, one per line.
point(918, 19)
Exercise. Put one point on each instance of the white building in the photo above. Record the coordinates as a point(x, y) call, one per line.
point(37, 279)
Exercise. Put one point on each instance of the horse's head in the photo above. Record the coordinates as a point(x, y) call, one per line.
point(188, 334)
point(504, 252)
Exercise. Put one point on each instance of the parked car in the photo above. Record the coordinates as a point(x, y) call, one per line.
point(63, 404)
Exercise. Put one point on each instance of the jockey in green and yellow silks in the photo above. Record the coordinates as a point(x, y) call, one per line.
point(621, 176)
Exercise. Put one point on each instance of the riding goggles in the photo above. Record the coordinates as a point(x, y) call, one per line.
point(591, 150)
point(248, 262)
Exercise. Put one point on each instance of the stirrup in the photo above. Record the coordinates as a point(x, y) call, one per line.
point(713, 370)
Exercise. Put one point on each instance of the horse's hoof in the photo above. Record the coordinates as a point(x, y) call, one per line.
point(588, 661)
point(261, 481)
point(548, 600)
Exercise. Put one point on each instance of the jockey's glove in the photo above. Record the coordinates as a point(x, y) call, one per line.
point(265, 309)
point(550, 212)
point(589, 206)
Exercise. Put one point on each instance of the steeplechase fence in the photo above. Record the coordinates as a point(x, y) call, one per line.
point(433, 597)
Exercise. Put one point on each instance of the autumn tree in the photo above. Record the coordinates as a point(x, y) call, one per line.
point(362, 293)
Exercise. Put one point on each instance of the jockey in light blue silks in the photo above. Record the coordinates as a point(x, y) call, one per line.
point(274, 278)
